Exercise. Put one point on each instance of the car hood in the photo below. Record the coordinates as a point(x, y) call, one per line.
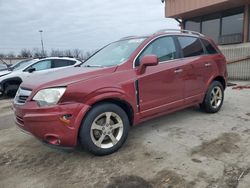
point(4, 72)
point(64, 77)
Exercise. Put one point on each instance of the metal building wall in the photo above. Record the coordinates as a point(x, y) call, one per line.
point(239, 70)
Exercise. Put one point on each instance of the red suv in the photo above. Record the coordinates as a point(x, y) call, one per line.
point(126, 82)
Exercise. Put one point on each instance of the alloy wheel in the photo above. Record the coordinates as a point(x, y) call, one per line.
point(106, 130)
point(216, 97)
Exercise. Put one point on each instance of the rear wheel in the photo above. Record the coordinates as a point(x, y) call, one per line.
point(104, 129)
point(214, 98)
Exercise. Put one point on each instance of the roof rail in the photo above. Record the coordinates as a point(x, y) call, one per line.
point(128, 37)
point(66, 56)
point(181, 31)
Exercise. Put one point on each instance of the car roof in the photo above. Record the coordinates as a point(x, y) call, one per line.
point(65, 58)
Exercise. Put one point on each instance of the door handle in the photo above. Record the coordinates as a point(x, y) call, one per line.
point(208, 64)
point(178, 71)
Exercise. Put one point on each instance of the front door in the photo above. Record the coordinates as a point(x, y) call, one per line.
point(40, 67)
point(161, 87)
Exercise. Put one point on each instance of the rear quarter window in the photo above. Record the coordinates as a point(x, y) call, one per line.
point(62, 63)
point(209, 47)
point(191, 46)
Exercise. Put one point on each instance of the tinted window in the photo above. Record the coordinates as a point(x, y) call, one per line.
point(193, 25)
point(191, 46)
point(232, 24)
point(42, 65)
point(62, 63)
point(209, 47)
point(164, 48)
point(211, 28)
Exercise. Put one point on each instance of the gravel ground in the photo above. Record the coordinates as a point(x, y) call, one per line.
point(185, 149)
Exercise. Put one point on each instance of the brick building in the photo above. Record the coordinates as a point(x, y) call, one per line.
point(226, 21)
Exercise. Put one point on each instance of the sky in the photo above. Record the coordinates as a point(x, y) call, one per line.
point(82, 24)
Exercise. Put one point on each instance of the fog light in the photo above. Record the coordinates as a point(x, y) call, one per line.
point(53, 140)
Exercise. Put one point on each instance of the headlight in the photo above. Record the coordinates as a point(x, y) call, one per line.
point(50, 96)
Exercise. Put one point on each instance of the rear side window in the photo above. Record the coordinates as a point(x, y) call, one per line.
point(62, 63)
point(191, 46)
point(209, 47)
point(164, 48)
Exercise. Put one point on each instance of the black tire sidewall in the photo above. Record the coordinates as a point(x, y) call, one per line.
point(207, 104)
point(84, 134)
point(11, 90)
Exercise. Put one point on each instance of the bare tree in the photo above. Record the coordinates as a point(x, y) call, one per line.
point(56, 52)
point(68, 53)
point(77, 53)
point(11, 55)
point(25, 53)
point(37, 53)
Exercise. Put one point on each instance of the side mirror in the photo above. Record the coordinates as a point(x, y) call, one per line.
point(147, 60)
point(31, 69)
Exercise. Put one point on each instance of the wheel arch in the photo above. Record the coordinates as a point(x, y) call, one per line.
point(221, 80)
point(121, 103)
point(14, 80)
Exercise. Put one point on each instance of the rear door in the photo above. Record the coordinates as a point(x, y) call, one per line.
point(161, 87)
point(211, 61)
point(195, 61)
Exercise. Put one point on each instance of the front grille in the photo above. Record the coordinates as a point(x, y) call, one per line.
point(19, 120)
point(22, 99)
point(22, 95)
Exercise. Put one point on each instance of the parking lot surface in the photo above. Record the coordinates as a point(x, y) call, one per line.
point(188, 148)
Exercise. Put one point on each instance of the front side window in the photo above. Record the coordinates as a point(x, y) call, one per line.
point(164, 48)
point(114, 53)
point(42, 65)
point(191, 46)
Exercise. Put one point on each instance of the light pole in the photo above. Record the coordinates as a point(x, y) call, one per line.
point(41, 34)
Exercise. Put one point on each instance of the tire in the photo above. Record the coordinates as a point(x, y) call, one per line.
point(214, 98)
point(10, 90)
point(101, 135)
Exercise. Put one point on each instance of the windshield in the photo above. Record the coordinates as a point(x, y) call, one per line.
point(21, 65)
point(2, 66)
point(114, 54)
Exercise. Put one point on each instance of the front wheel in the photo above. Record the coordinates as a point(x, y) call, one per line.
point(11, 90)
point(104, 129)
point(214, 98)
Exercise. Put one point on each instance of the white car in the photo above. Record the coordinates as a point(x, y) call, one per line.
point(11, 79)
point(3, 66)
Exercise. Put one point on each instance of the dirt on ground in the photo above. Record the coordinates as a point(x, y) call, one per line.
point(225, 143)
point(189, 149)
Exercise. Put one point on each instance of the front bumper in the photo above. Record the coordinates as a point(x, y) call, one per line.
point(47, 123)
